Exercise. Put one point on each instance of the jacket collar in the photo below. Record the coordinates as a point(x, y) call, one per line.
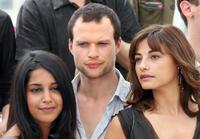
point(60, 3)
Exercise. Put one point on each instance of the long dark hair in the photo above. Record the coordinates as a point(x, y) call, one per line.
point(65, 124)
point(174, 41)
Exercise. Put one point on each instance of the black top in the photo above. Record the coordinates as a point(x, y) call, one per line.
point(42, 24)
point(7, 55)
point(141, 128)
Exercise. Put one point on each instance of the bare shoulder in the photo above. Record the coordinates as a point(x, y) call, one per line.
point(115, 130)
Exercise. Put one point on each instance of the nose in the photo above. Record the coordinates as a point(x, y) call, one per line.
point(47, 97)
point(143, 66)
point(93, 52)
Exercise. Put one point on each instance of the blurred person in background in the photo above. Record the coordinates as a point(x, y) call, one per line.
point(7, 60)
point(190, 13)
point(178, 21)
point(153, 11)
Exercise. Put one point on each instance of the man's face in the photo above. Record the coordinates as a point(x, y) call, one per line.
point(94, 48)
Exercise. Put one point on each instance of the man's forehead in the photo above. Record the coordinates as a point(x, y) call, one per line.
point(100, 20)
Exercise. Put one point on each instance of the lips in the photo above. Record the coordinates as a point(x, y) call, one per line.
point(47, 109)
point(93, 65)
point(145, 77)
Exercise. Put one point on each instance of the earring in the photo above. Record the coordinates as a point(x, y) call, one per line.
point(180, 78)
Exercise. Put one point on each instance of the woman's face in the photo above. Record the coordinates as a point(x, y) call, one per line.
point(154, 69)
point(43, 97)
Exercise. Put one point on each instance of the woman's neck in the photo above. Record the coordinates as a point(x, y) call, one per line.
point(45, 131)
point(167, 101)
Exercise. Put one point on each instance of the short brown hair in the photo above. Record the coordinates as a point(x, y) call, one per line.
point(95, 12)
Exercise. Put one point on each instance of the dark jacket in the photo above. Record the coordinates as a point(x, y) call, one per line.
point(42, 24)
point(7, 55)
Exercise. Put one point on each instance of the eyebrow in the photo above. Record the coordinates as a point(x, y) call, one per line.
point(104, 40)
point(36, 84)
point(78, 41)
point(151, 51)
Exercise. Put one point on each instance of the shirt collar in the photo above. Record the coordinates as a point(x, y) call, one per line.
point(122, 90)
point(60, 3)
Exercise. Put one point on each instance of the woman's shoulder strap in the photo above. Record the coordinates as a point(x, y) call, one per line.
point(127, 119)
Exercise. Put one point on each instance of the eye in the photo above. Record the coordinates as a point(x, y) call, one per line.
point(102, 44)
point(36, 90)
point(82, 45)
point(137, 59)
point(154, 57)
point(55, 89)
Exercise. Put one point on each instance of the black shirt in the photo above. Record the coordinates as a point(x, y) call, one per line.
point(7, 55)
point(42, 24)
point(136, 126)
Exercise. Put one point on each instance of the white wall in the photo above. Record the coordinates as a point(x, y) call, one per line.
point(11, 9)
point(178, 21)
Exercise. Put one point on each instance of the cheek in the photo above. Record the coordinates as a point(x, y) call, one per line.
point(59, 101)
point(136, 70)
point(32, 103)
point(171, 69)
point(78, 56)
point(108, 54)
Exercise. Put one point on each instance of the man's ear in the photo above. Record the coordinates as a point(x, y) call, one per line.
point(70, 46)
point(118, 45)
point(186, 8)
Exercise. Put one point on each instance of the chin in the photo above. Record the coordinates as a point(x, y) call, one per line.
point(47, 120)
point(147, 87)
point(94, 75)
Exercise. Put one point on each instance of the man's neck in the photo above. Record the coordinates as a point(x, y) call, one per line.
point(194, 39)
point(98, 87)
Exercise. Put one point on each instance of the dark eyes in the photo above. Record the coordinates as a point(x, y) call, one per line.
point(152, 57)
point(36, 90)
point(137, 58)
point(82, 45)
point(101, 44)
point(39, 89)
point(55, 89)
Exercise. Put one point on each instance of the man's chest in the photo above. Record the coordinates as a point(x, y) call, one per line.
point(91, 113)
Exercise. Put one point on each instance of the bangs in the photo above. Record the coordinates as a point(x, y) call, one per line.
point(155, 42)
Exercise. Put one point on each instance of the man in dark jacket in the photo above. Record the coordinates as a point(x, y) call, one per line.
point(42, 24)
point(7, 56)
